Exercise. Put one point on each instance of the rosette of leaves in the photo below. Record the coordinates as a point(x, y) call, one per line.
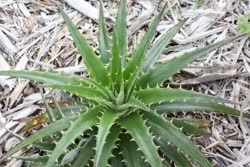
point(121, 122)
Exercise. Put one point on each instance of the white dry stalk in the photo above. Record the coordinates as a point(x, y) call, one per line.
point(148, 9)
point(85, 8)
point(6, 45)
point(4, 79)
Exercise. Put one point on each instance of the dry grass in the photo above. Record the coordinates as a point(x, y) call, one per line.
point(34, 37)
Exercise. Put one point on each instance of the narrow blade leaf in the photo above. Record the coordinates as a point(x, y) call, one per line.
point(155, 51)
point(110, 142)
point(166, 70)
point(106, 122)
point(93, 63)
point(37, 160)
point(136, 60)
point(188, 128)
point(86, 152)
point(158, 95)
point(85, 92)
point(135, 126)
point(103, 37)
point(44, 77)
point(132, 156)
point(83, 123)
point(117, 159)
point(172, 153)
point(167, 131)
point(137, 104)
point(192, 107)
point(121, 31)
point(116, 67)
point(56, 126)
point(48, 147)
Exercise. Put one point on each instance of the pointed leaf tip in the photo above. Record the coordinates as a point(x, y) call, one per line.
point(96, 68)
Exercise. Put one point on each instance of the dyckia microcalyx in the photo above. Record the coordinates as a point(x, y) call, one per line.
point(120, 122)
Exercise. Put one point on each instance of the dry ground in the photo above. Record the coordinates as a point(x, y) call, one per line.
point(33, 37)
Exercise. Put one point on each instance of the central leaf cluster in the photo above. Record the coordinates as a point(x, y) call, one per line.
point(128, 88)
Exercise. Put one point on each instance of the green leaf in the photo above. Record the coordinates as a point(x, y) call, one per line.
point(167, 131)
point(244, 25)
point(193, 106)
point(106, 122)
point(55, 78)
point(120, 32)
point(83, 123)
point(56, 126)
point(163, 72)
point(44, 77)
point(155, 51)
point(132, 156)
point(136, 103)
point(93, 63)
point(110, 142)
point(172, 153)
point(130, 85)
point(199, 123)
point(117, 159)
point(71, 111)
point(85, 153)
point(116, 67)
point(85, 92)
point(119, 47)
point(158, 95)
point(135, 63)
point(39, 159)
point(135, 126)
point(103, 37)
point(197, 3)
point(188, 128)
point(105, 91)
point(44, 146)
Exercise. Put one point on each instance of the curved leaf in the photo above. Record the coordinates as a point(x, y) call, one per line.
point(120, 32)
point(55, 78)
point(199, 123)
point(172, 153)
point(110, 142)
point(167, 131)
point(158, 95)
point(40, 159)
point(103, 37)
point(48, 147)
point(44, 77)
point(105, 91)
point(131, 155)
point(83, 123)
point(85, 153)
point(106, 122)
point(135, 126)
point(193, 106)
point(136, 103)
point(116, 67)
point(188, 128)
point(56, 126)
point(164, 71)
point(135, 63)
point(155, 51)
point(117, 159)
point(93, 63)
point(85, 92)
